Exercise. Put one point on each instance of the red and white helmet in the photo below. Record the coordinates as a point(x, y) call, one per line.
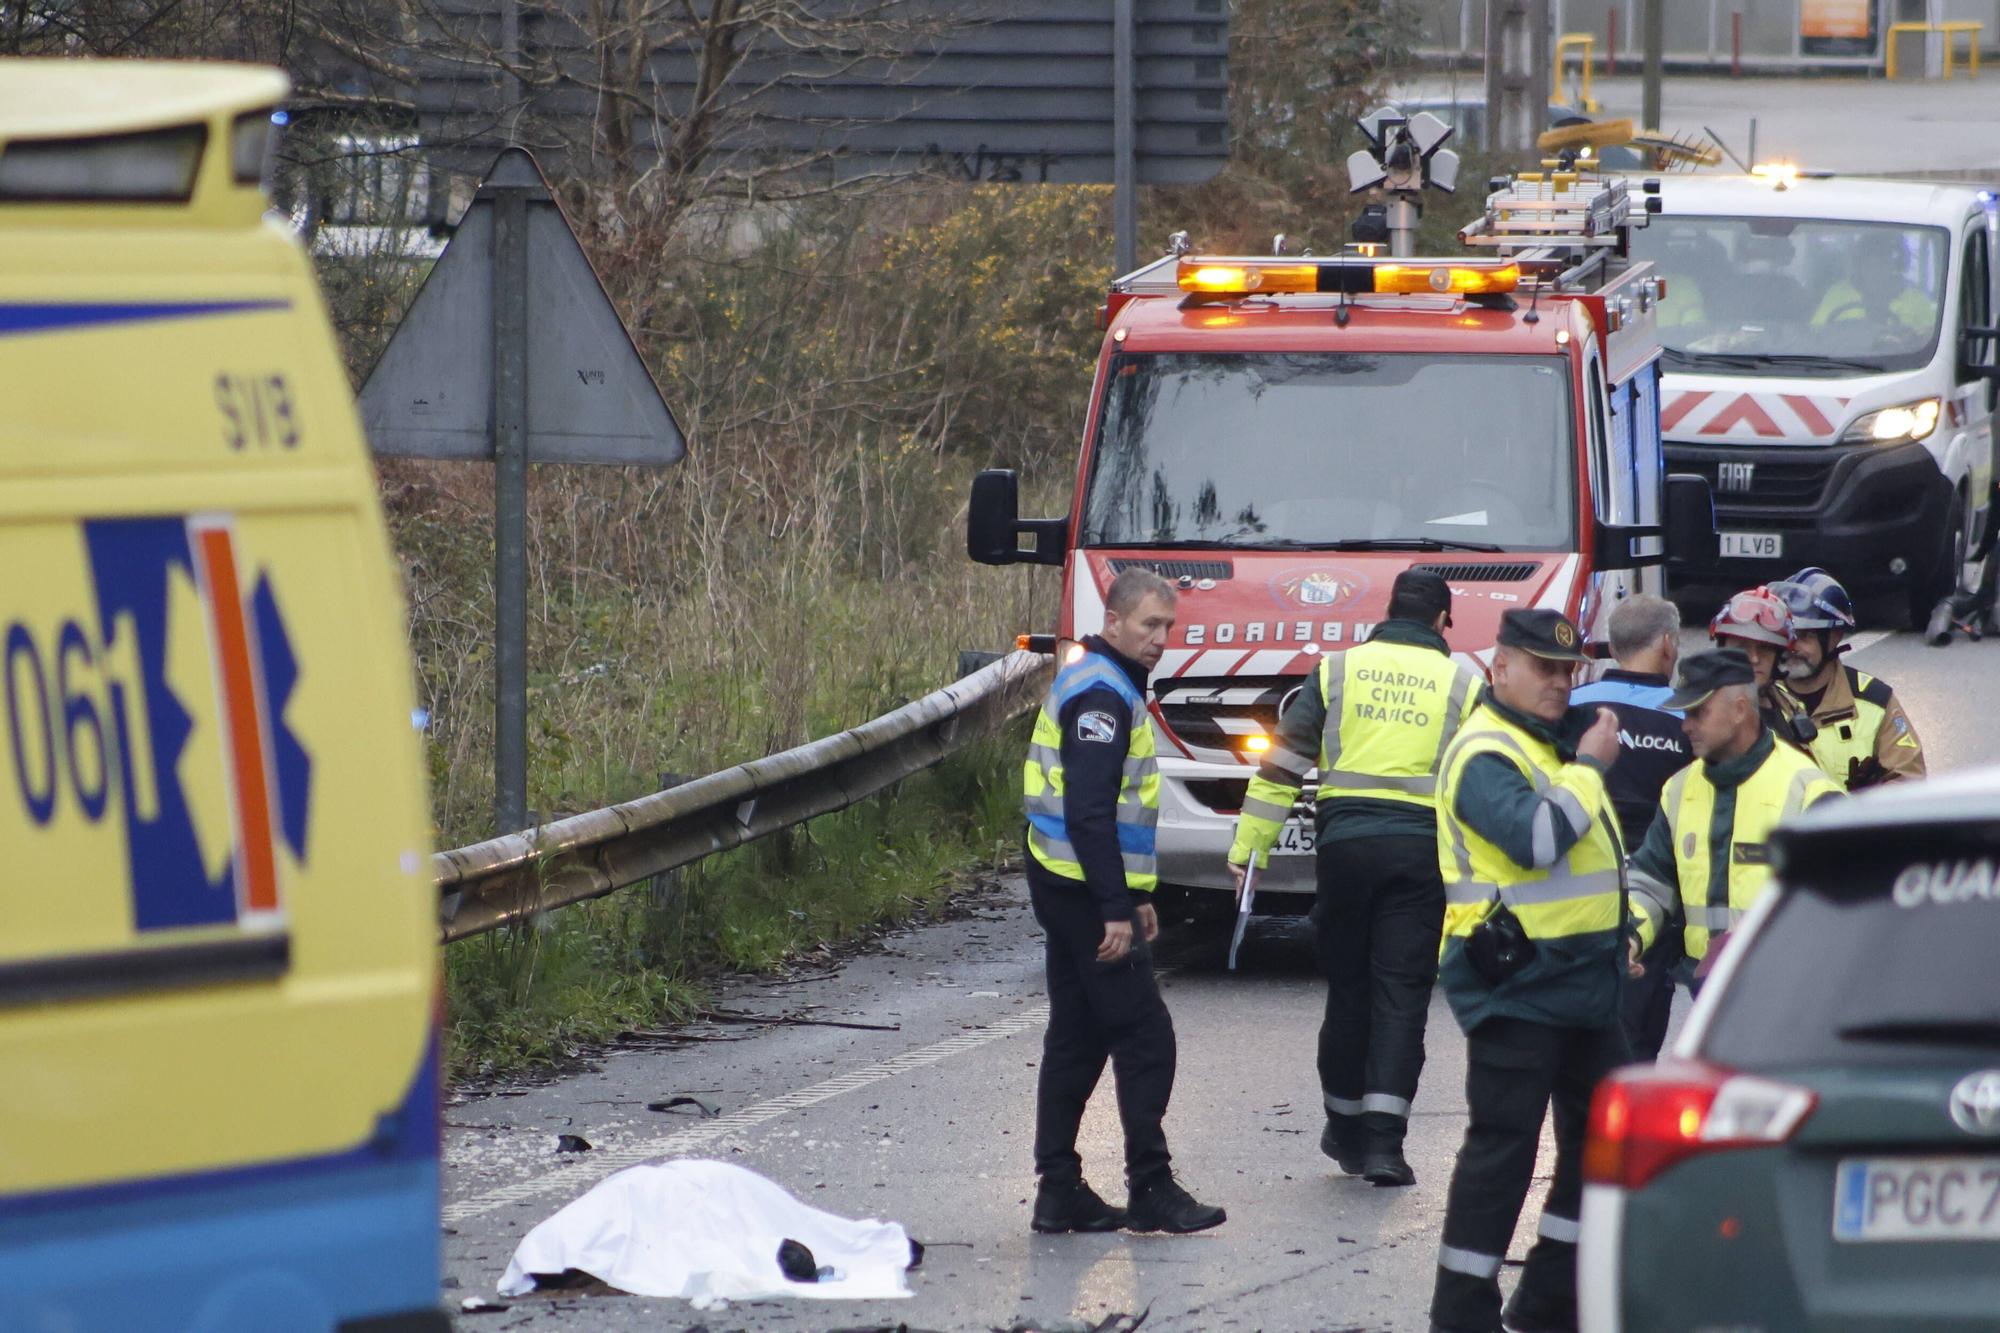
point(1757, 614)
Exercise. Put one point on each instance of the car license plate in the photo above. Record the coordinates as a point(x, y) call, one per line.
point(1754, 545)
point(1294, 839)
point(1917, 1198)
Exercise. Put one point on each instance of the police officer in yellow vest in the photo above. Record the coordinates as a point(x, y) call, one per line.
point(1091, 789)
point(1534, 962)
point(1706, 858)
point(1861, 735)
point(1374, 721)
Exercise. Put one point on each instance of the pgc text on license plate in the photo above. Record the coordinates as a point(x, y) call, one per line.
point(1917, 1198)
point(1295, 839)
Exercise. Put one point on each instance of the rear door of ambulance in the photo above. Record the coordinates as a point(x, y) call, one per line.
point(217, 933)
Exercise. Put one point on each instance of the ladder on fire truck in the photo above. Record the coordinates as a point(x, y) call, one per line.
point(1562, 225)
point(1564, 229)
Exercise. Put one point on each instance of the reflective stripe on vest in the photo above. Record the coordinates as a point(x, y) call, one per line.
point(1392, 710)
point(1784, 784)
point(1581, 894)
point(1138, 805)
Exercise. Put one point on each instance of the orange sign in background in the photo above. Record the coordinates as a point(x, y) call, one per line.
point(1835, 18)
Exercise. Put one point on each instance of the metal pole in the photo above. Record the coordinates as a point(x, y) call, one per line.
point(1403, 218)
point(1655, 38)
point(1124, 139)
point(510, 510)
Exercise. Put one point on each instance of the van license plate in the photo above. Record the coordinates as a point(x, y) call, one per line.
point(1917, 1198)
point(1294, 839)
point(1754, 545)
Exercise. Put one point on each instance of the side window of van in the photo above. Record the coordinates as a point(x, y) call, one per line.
point(1975, 304)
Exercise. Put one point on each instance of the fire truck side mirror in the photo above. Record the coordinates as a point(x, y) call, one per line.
point(1690, 514)
point(994, 526)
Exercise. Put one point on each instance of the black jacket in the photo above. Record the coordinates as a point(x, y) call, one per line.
point(1651, 745)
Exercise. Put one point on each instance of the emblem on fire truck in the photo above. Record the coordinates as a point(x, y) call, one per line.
point(1318, 587)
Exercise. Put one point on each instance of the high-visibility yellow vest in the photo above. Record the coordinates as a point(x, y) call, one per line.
point(1844, 744)
point(1582, 893)
point(1391, 709)
point(1784, 784)
point(1138, 810)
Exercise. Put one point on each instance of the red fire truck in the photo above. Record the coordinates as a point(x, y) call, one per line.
point(1282, 436)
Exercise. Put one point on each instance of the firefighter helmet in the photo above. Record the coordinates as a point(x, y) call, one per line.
point(1757, 614)
point(1817, 600)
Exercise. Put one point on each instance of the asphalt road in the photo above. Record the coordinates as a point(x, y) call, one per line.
point(928, 1125)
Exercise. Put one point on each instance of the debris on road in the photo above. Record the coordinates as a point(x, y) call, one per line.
point(701, 1108)
point(709, 1232)
point(1117, 1322)
point(572, 1143)
point(793, 1020)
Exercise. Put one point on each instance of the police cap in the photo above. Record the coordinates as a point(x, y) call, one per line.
point(1702, 674)
point(1544, 633)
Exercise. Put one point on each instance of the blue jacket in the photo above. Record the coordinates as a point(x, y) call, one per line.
point(1651, 745)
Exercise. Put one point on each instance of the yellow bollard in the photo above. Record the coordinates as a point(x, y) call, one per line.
point(1586, 43)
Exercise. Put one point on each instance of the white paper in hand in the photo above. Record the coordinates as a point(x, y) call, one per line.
point(1244, 902)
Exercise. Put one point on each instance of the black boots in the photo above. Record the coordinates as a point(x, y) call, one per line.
point(1341, 1140)
point(1386, 1166)
point(1369, 1151)
point(1072, 1205)
point(1157, 1205)
point(1162, 1205)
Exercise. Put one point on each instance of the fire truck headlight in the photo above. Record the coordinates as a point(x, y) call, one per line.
point(1895, 425)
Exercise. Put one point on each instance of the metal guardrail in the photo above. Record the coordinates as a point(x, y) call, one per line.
point(492, 883)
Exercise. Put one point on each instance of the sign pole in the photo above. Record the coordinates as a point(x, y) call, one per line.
point(557, 346)
point(510, 509)
point(1124, 139)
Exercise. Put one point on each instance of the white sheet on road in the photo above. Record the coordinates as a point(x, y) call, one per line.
point(708, 1232)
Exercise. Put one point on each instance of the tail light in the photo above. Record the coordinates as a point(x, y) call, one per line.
point(1645, 1118)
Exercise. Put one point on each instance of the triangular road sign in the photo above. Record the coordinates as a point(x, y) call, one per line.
point(590, 398)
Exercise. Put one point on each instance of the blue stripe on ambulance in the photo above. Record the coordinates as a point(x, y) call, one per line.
point(55, 316)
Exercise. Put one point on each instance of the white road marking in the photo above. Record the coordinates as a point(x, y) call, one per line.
point(1866, 639)
point(576, 1175)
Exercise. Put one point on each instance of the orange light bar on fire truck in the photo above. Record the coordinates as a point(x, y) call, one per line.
point(1225, 277)
point(1351, 275)
point(1458, 279)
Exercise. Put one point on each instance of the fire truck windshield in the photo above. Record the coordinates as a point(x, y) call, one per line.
point(1797, 296)
point(1334, 449)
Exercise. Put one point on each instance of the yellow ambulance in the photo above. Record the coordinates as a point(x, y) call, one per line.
point(218, 962)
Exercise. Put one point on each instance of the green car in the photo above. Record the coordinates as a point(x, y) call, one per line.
point(1821, 1149)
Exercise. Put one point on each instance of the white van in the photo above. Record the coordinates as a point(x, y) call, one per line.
point(1829, 370)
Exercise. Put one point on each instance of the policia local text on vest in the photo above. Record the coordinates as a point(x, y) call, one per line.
point(1091, 789)
point(1534, 959)
point(1374, 721)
